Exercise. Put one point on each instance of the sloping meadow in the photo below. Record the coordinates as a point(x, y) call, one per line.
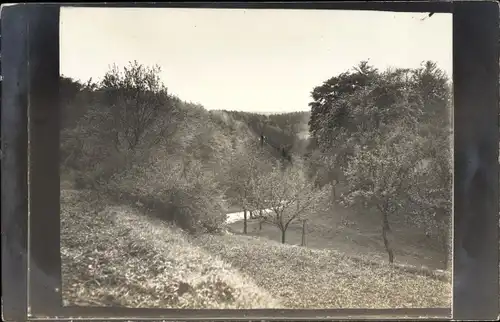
point(306, 278)
point(116, 256)
point(113, 256)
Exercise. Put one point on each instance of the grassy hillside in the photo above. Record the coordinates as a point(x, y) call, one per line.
point(155, 178)
point(357, 238)
point(307, 278)
point(127, 258)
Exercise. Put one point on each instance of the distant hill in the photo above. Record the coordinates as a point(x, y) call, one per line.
point(287, 131)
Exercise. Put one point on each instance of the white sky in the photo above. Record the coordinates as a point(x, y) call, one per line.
point(249, 60)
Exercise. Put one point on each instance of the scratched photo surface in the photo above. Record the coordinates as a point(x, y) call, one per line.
point(245, 159)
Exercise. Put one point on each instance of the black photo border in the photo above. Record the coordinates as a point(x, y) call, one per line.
point(30, 69)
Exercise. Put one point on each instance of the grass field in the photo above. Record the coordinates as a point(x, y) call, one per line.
point(306, 278)
point(330, 232)
point(116, 255)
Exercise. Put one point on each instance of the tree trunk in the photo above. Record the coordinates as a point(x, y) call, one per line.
point(245, 221)
point(385, 230)
point(283, 236)
point(303, 243)
point(261, 219)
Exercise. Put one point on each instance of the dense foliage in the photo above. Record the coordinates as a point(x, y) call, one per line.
point(378, 141)
point(126, 136)
point(385, 136)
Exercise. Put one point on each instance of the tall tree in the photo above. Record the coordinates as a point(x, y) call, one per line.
point(349, 109)
point(379, 176)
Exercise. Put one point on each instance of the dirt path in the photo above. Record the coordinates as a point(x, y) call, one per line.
point(238, 216)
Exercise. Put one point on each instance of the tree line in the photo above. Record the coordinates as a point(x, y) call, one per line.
point(127, 137)
point(381, 138)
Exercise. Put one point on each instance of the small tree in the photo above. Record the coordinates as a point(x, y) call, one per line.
point(379, 177)
point(246, 165)
point(289, 195)
point(140, 108)
point(128, 113)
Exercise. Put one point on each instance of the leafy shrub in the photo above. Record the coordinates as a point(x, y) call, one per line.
point(187, 193)
point(196, 206)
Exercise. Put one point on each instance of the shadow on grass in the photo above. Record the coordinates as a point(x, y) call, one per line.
point(353, 243)
point(153, 207)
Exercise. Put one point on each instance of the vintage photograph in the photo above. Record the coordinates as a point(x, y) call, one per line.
point(255, 158)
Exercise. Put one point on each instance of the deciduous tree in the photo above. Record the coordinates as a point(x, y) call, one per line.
point(139, 107)
point(289, 195)
point(378, 178)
